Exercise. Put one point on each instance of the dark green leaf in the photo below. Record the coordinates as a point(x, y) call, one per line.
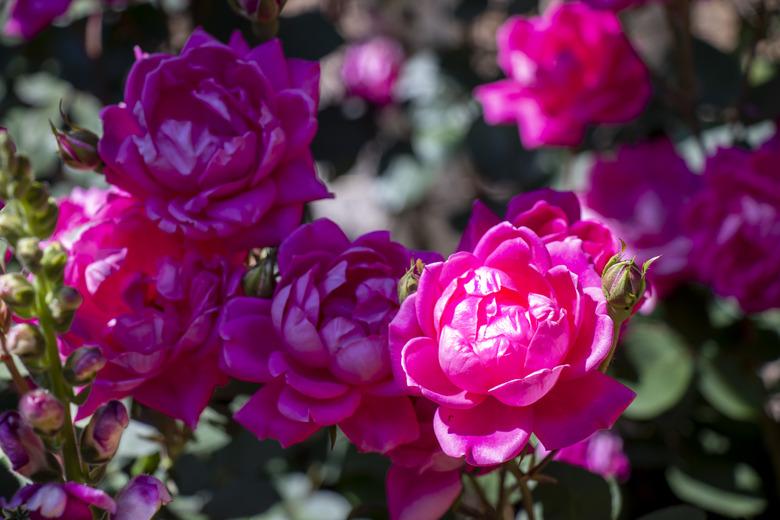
point(577, 494)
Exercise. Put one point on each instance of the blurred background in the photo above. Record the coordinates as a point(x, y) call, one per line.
point(704, 428)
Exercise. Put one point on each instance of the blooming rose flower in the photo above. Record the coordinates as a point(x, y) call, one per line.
point(150, 303)
point(371, 69)
point(734, 222)
point(215, 141)
point(553, 215)
point(642, 193)
point(507, 340)
point(423, 482)
point(68, 501)
point(567, 69)
point(320, 345)
point(601, 453)
point(29, 17)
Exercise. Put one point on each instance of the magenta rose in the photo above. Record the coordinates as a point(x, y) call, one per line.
point(151, 305)
point(320, 344)
point(215, 141)
point(371, 69)
point(641, 193)
point(567, 69)
point(553, 215)
point(29, 17)
point(507, 340)
point(601, 453)
point(67, 501)
point(734, 223)
point(422, 482)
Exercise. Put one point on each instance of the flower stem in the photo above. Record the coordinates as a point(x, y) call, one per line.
point(73, 469)
point(615, 338)
point(21, 383)
point(528, 499)
point(489, 511)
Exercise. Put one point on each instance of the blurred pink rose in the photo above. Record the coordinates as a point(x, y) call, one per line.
point(734, 222)
point(67, 501)
point(641, 193)
point(568, 68)
point(422, 482)
point(215, 141)
point(371, 69)
point(29, 17)
point(151, 305)
point(553, 215)
point(320, 345)
point(507, 340)
point(601, 453)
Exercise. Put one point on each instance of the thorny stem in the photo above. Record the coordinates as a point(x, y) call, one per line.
point(70, 450)
point(21, 383)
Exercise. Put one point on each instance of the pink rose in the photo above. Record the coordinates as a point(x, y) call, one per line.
point(29, 17)
point(150, 303)
point(320, 344)
point(642, 192)
point(568, 68)
point(215, 141)
point(734, 223)
point(67, 501)
point(371, 69)
point(553, 215)
point(507, 340)
point(601, 453)
point(422, 482)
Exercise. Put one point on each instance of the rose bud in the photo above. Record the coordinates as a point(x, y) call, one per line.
point(141, 499)
point(26, 341)
point(16, 290)
point(36, 195)
point(100, 439)
point(78, 148)
point(41, 410)
point(22, 446)
point(28, 251)
point(83, 364)
point(54, 260)
point(44, 220)
point(410, 280)
point(624, 283)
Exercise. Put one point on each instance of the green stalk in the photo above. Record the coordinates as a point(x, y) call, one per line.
point(70, 451)
point(615, 337)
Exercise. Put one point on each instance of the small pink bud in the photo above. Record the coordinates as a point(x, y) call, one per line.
point(78, 148)
point(41, 410)
point(100, 439)
point(83, 364)
point(21, 445)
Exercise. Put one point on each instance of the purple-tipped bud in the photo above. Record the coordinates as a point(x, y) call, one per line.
point(41, 410)
point(26, 341)
point(16, 290)
point(408, 283)
point(83, 364)
point(78, 148)
point(141, 499)
point(100, 439)
point(22, 446)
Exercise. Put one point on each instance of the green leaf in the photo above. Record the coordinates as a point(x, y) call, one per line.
point(664, 366)
point(726, 489)
point(576, 493)
point(676, 513)
point(146, 465)
point(733, 393)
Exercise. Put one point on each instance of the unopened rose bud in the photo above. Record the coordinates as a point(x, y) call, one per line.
point(43, 220)
point(22, 446)
point(53, 261)
point(78, 148)
point(36, 195)
point(83, 364)
point(100, 439)
point(624, 283)
point(16, 291)
point(260, 280)
point(410, 280)
point(26, 341)
point(28, 251)
point(41, 410)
